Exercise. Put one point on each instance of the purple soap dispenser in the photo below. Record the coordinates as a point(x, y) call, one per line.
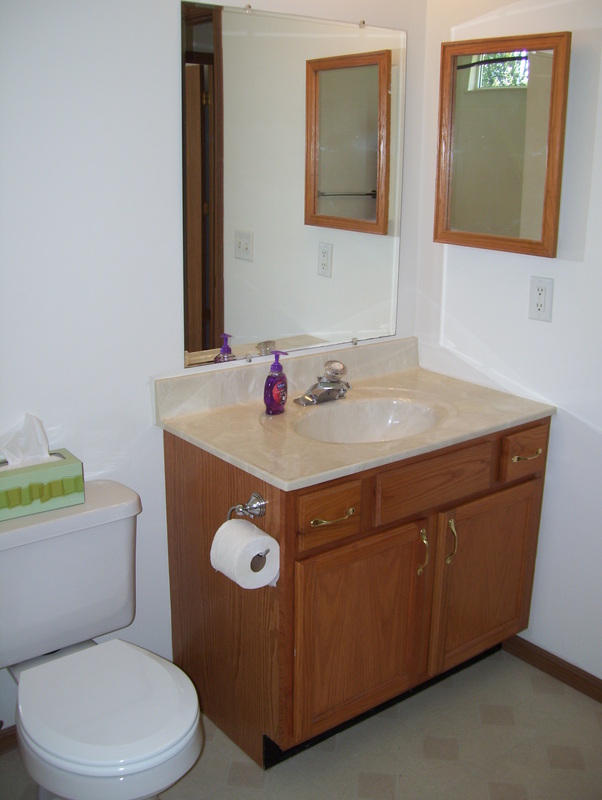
point(225, 353)
point(274, 393)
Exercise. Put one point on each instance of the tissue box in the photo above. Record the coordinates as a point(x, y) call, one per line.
point(41, 487)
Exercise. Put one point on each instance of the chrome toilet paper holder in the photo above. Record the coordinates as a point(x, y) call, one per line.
point(255, 507)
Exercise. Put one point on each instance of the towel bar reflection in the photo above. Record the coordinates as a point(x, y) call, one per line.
point(348, 194)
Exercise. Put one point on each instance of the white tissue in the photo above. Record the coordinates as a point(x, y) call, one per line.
point(235, 549)
point(25, 444)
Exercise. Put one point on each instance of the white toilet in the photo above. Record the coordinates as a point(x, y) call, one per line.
point(93, 721)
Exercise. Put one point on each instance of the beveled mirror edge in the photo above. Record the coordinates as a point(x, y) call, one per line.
point(560, 44)
point(382, 58)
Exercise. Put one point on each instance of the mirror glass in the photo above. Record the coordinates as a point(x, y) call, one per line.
point(502, 116)
point(347, 142)
point(272, 286)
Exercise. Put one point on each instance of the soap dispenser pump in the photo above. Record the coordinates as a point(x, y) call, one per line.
point(225, 353)
point(275, 391)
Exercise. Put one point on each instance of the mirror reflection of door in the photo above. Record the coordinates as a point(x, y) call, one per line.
point(202, 186)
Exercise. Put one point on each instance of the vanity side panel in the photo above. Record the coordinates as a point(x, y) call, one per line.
point(224, 637)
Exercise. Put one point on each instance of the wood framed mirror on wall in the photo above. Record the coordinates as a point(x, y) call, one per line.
point(502, 111)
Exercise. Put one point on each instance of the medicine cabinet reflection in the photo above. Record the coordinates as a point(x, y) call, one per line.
point(348, 122)
point(501, 136)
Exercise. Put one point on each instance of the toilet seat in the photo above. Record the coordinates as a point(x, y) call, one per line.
point(109, 710)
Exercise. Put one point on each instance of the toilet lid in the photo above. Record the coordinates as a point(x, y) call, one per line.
point(110, 705)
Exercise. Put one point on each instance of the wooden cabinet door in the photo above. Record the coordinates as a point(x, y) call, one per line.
point(361, 626)
point(484, 573)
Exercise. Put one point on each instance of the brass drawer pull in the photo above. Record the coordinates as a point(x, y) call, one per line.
point(426, 544)
point(536, 454)
point(452, 527)
point(315, 523)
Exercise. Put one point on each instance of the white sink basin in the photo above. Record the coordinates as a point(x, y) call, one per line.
point(381, 418)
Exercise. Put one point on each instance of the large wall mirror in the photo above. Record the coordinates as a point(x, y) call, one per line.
point(347, 142)
point(272, 286)
point(501, 136)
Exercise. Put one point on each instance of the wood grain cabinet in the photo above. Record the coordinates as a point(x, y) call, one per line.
point(360, 612)
point(388, 578)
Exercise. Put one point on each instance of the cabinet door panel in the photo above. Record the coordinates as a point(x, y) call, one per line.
point(360, 613)
point(485, 568)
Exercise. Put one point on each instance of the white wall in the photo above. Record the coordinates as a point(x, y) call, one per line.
point(91, 267)
point(474, 304)
point(90, 248)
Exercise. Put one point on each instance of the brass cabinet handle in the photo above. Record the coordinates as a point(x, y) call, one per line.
point(536, 454)
point(426, 544)
point(452, 527)
point(315, 523)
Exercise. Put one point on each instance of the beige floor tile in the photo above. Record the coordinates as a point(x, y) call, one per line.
point(565, 757)
point(441, 748)
point(496, 714)
point(508, 791)
point(376, 786)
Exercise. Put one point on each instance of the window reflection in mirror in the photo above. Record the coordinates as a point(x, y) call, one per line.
point(500, 140)
point(502, 114)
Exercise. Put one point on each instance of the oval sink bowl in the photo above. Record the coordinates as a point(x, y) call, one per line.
point(373, 419)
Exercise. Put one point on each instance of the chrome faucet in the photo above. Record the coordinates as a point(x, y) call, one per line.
point(329, 386)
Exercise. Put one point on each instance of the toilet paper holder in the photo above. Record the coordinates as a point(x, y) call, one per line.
point(255, 507)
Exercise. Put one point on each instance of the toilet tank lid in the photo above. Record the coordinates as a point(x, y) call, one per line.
point(105, 501)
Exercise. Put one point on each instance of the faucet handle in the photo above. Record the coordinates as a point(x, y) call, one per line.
point(334, 370)
point(265, 348)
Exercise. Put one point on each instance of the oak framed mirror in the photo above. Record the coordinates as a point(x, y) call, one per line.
point(502, 111)
point(348, 121)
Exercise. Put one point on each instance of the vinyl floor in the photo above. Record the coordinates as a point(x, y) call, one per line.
point(497, 730)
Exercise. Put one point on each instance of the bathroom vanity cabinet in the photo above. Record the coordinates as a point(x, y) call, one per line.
point(389, 577)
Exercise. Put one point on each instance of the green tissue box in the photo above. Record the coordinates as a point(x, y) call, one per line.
point(41, 487)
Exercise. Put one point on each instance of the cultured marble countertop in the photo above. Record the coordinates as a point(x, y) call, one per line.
point(270, 449)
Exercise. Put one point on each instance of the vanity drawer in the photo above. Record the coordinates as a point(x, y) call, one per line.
point(436, 481)
point(524, 453)
point(334, 512)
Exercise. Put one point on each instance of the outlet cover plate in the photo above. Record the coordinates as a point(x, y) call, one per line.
point(243, 245)
point(540, 298)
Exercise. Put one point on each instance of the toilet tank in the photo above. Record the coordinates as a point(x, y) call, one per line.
point(69, 574)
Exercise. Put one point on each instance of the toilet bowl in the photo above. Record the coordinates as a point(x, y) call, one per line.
point(110, 721)
point(106, 721)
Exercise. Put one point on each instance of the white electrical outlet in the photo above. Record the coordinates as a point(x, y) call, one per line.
point(540, 299)
point(325, 260)
point(243, 245)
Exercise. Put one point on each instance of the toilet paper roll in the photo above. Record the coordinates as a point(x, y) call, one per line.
point(245, 554)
